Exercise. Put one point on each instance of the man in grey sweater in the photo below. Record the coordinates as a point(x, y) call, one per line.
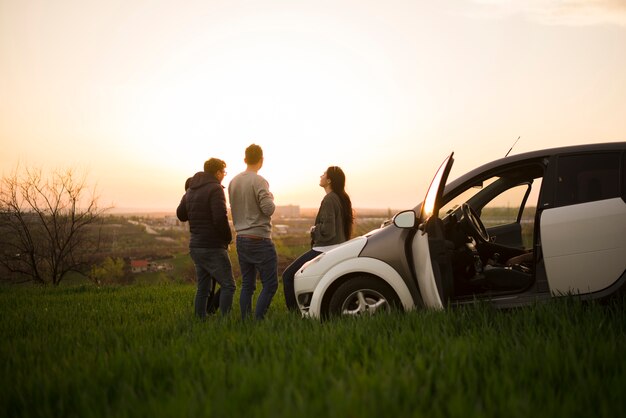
point(252, 205)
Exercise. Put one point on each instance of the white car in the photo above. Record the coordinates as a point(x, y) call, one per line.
point(514, 231)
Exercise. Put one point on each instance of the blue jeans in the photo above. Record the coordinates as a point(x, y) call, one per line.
point(257, 255)
point(213, 263)
point(289, 275)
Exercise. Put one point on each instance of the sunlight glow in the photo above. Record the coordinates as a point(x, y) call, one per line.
point(142, 93)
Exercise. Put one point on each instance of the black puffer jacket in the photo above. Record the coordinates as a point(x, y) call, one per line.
point(204, 206)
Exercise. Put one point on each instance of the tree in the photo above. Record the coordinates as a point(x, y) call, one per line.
point(49, 226)
point(111, 270)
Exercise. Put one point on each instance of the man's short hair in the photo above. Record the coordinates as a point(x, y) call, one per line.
point(254, 153)
point(213, 165)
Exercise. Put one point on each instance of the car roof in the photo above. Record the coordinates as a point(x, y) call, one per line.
point(535, 155)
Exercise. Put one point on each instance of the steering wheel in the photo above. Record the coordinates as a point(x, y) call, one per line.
point(473, 224)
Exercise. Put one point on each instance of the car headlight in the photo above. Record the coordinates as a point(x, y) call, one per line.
point(312, 262)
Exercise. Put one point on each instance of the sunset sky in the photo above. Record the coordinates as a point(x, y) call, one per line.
point(139, 93)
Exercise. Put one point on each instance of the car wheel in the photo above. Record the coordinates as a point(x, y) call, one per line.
point(362, 296)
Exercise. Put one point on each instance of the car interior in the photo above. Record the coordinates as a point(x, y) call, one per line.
point(488, 232)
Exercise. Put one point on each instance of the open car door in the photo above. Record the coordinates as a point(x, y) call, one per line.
point(430, 257)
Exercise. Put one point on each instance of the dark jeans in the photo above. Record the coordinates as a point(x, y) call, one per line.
point(213, 263)
point(289, 275)
point(257, 255)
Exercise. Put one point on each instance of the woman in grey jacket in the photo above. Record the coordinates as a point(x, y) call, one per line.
point(333, 226)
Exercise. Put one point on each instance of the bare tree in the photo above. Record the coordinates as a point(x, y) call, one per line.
point(49, 226)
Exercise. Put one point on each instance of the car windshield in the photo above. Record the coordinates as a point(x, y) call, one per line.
point(466, 195)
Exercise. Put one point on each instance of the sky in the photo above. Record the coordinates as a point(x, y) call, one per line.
point(139, 93)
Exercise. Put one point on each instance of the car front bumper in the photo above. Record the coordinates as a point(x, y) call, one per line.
point(309, 283)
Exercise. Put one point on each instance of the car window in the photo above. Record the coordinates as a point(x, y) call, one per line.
point(509, 206)
point(507, 201)
point(502, 209)
point(587, 178)
point(505, 208)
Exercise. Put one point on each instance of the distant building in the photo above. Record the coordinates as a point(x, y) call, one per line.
point(279, 229)
point(154, 266)
point(142, 266)
point(288, 211)
point(138, 266)
point(171, 221)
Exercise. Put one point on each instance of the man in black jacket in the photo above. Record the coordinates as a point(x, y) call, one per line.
point(204, 206)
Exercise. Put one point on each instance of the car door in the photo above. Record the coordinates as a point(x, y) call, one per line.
point(432, 270)
point(583, 229)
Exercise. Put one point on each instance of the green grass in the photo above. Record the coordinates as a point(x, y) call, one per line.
point(138, 351)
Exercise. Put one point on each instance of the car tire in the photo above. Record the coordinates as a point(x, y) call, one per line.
point(362, 295)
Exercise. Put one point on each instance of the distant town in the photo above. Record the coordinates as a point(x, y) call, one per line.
point(153, 242)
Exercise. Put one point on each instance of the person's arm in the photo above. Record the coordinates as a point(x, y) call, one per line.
point(325, 227)
point(519, 259)
point(265, 197)
point(181, 210)
point(220, 215)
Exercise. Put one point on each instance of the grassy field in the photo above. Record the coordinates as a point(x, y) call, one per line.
point(138, 351)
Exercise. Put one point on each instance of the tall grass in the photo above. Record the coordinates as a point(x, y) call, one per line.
point(138, 351)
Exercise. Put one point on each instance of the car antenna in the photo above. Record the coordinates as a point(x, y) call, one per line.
point(507, 154)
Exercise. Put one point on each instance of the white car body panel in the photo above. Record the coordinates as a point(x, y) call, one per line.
point(424, 272)
point(584, 246)
point(310, 274)
point(363, 265)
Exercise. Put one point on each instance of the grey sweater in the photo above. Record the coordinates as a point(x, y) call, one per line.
point(251, 204)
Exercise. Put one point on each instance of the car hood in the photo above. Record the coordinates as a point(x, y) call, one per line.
point(325, 261)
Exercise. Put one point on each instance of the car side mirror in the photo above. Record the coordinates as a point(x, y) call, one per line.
point(405, 219)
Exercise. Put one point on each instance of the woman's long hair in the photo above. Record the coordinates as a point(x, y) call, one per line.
point(338, 184)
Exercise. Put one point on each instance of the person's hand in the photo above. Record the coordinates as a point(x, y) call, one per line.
point(523, 258)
